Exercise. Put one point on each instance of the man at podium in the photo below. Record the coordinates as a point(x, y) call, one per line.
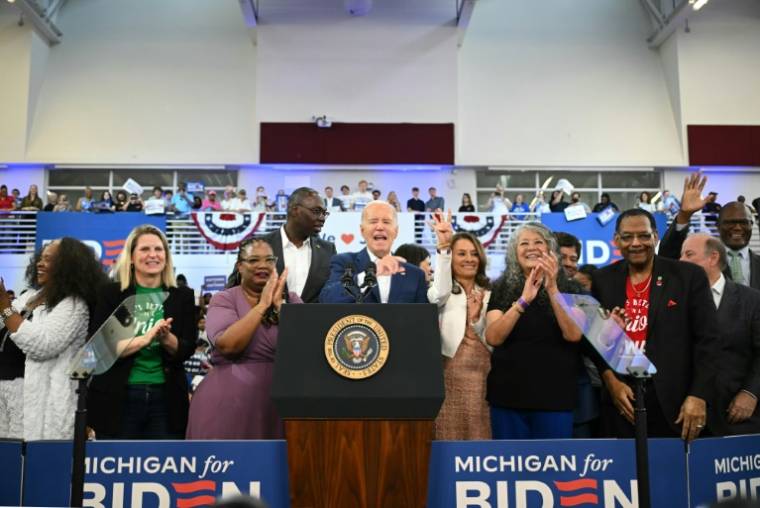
point(397, 280)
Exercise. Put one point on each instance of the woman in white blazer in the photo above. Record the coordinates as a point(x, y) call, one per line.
point(461, 290)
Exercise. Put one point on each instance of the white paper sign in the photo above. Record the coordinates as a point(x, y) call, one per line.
point(154, 207)
point(342, 228)
point(564, 185)
point(575, 212)
point(132, 187)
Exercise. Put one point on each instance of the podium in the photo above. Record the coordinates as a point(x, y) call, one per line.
point(358, 442)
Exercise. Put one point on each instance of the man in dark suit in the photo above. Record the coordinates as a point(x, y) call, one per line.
point(670, 315)
point(734, 225)
point(397, 281)
point(298, 246)
point(738, 379)
point(331, 202)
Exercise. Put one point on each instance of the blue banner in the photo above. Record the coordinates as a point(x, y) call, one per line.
point(596, 239)
point(104, 232)
point(10, 473)
point(579, 472)
point(724, 468)
point(159, 474)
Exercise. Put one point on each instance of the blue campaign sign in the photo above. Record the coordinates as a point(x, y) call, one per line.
point(104, 232)
point(596, 239)
point(160, 474)
point(724, 468)
point(10, 473)
point(577, 472)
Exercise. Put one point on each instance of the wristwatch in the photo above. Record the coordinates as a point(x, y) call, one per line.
point(5, 314)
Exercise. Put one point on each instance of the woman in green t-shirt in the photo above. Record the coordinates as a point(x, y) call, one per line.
point(144, 394)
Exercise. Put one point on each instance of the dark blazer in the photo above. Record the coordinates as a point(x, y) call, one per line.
point(407, 287)
point(321, 252)
point(739, 322)
point(105, 398)
point(672, 241)
point(682, 336)
point(333, 202)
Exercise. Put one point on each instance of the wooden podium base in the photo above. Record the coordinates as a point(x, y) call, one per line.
point(358, 463)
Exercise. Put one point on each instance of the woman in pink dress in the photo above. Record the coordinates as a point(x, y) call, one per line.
point(233, 401)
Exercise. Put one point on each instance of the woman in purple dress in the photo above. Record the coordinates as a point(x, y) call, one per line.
point(233, 401)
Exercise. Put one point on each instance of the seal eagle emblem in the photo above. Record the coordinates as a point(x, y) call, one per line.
point(356, 347)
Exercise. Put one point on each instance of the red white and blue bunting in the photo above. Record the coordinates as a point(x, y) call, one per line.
point(485, 226)
point(227, 230)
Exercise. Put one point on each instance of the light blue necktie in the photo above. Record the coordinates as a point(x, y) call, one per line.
point(736, 267)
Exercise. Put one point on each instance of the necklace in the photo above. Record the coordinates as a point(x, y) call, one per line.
point(640, 292)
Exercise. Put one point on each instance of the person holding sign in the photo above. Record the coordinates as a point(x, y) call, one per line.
point(534, 367)
point(144, 394)
point(461, 291)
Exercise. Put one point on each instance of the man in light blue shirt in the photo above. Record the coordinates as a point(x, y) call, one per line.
point(181, 201)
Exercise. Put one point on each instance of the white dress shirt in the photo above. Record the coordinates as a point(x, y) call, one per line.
point(383, 281)
point(717, 290)
point(297, 260)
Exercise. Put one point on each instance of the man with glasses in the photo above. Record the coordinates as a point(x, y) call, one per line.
point(667, 310)
point(298, 247)
point(734, 226)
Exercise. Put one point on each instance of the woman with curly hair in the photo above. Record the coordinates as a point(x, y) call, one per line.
point(49, 323)
point(233, 401)
point(534, 366)
point(144, 394)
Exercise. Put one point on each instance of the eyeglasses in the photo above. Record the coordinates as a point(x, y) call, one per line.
point(269, 260)
point(316, 212)
point(747, 223)
point(630, 237)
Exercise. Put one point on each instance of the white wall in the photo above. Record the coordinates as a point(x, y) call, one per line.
point(719, 62)
point(144, 81)
point(398, 64)
point(571, 83)
point(15, 45)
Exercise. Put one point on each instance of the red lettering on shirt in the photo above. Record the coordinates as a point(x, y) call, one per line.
point(637, 310)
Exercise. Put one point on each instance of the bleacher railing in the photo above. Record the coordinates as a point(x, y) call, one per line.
point(18, 233)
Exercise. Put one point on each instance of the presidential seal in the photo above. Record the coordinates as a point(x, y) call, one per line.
point(356, 347)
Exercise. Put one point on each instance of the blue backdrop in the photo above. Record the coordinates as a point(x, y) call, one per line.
point(596, 240)
point(104, 232)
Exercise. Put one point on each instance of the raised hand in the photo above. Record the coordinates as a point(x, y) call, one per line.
point(267, 294)
point(550, 268)
point(474, 305)
point(442, 227)
point(532, 284)
point(691, 199)
point(279, 289)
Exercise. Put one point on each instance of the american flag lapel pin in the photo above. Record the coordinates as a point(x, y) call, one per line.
point(659, 280)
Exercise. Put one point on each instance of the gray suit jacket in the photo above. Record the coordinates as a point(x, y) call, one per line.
point(739, 321)
point(319, 270)
point(672, 241)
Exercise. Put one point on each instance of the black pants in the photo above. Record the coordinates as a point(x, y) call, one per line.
point(145, 415)
point(613, 424)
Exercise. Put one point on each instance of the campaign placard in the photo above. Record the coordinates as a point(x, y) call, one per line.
point(724, 468)
point(538, 474)
point(158, 474)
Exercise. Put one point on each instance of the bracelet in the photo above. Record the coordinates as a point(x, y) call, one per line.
point(519, 308)
point(442, 246)
point(522, 303)
point(749, 393)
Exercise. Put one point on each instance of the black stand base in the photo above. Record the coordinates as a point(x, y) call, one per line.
point(642, 452)
point(80, 440)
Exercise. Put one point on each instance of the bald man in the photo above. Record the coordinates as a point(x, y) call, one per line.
point(397, 280)
point(734, 410)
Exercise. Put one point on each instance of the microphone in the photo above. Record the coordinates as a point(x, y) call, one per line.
point(348, 276)
point(370, 275)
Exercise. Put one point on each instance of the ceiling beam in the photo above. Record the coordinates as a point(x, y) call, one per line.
point(34, 14)
point(250, 10)
point(675, 20)
point(464, 13)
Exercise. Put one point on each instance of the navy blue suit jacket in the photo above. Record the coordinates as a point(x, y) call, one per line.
point(407, 287)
